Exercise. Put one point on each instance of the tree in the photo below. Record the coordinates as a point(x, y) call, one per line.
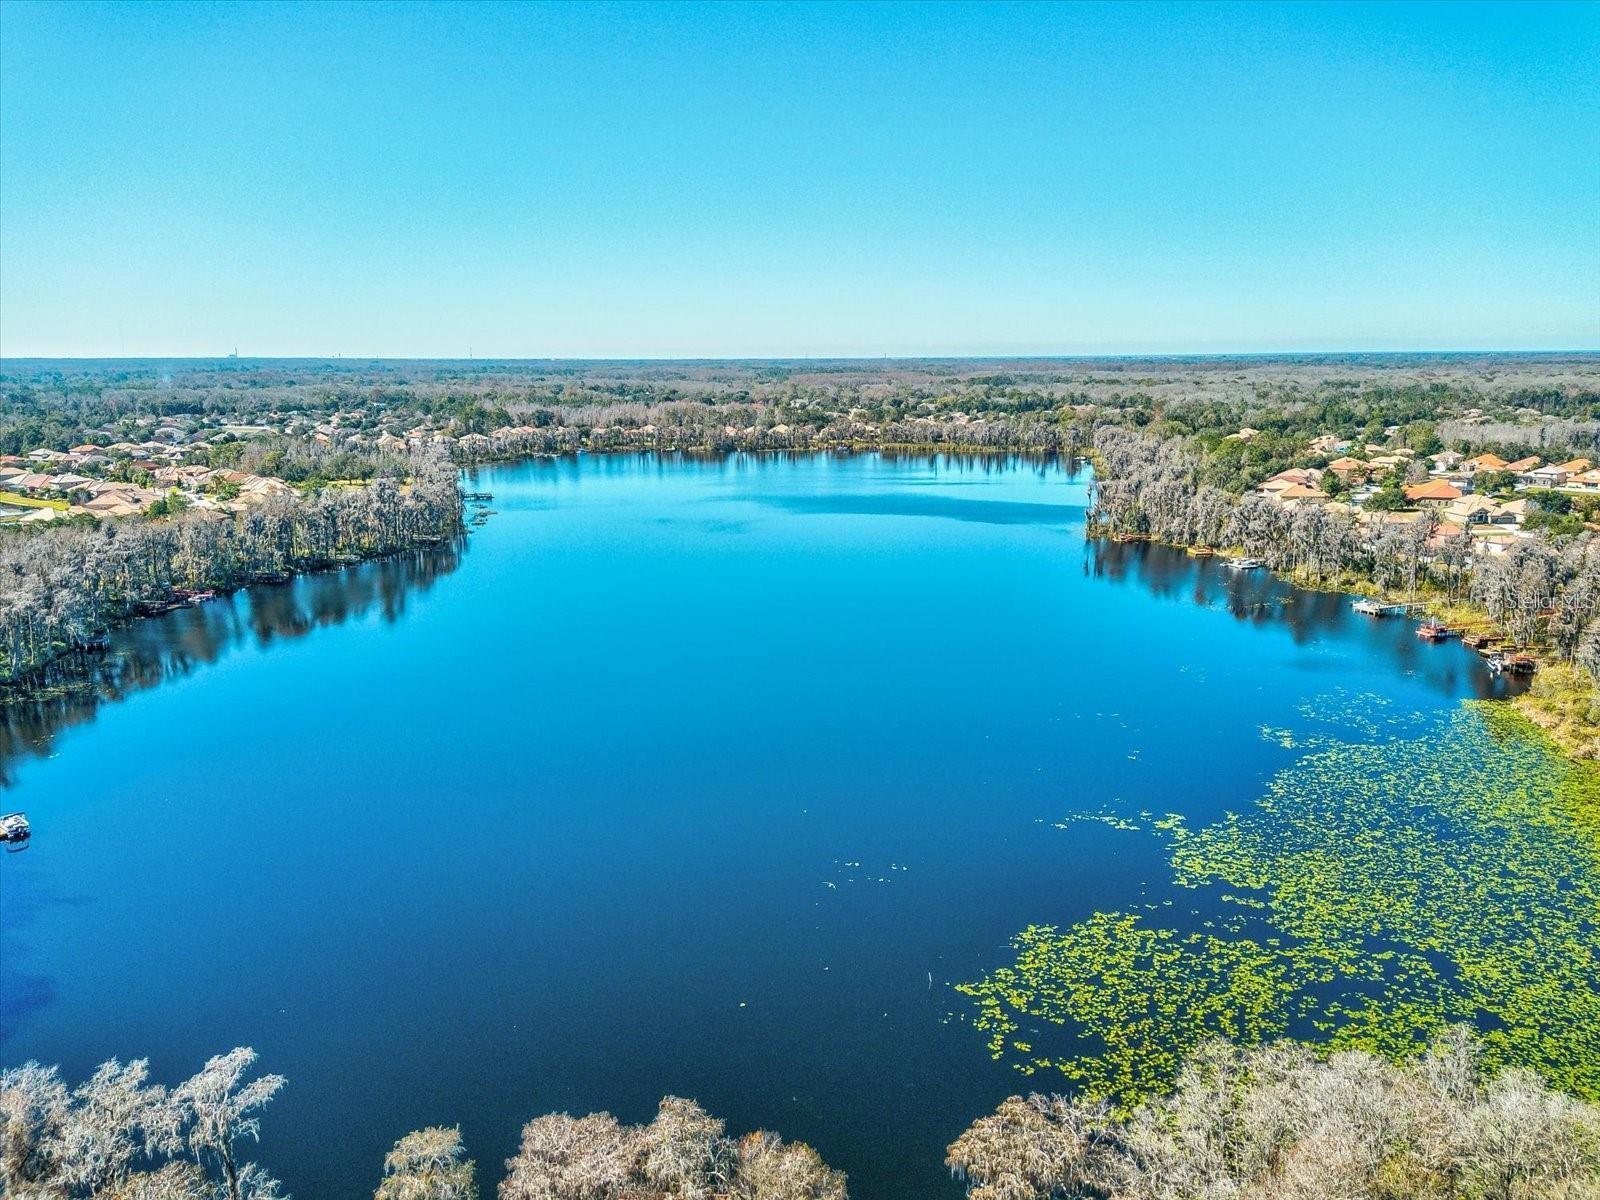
point(1278, 1121)
point(219, 1109)
point(430, 1164)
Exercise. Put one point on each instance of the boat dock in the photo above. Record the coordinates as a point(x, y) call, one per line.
point(1377, 608)
point(1433, 631)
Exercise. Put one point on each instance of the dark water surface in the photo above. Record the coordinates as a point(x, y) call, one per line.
point(703, 778)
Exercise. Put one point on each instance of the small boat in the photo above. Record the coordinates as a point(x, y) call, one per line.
point(1243, 564)
point(1512, 664)
point(1433, 631)
point(14, 829)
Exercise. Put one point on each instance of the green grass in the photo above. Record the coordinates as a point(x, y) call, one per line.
point(30, 502)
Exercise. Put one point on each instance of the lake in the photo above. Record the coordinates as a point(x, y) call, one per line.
point(709, 778)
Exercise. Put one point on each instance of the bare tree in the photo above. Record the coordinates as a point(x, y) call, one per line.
point(430, 1164)
point(219, 1108)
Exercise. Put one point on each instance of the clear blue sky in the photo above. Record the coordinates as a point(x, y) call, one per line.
point(795, 180)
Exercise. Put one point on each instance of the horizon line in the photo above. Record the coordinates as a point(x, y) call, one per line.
point(1076, 356)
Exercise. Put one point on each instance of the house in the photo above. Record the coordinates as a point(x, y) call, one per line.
point(1553, 476)
point(1515, 512)
point(1445, 460)
point(1435, 492)
point(1524, 465)
point(1348, 468)
point(113, 504)
point(1484, 462)
point(1473, 510)
point(1442, 533)
point(1328, 443)
point(1298, 494)
point(1308, 476)
point(1589, 481)
point(1494, 543)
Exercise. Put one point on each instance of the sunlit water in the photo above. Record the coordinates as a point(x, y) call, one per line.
point(704, 778)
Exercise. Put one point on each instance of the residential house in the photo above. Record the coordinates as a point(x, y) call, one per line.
point(1435, 493)
point(1297, 495)
point(1484, 462)
point(1349, 469)
point(1553, 476)
point(1473, 510)
point(1516, 511)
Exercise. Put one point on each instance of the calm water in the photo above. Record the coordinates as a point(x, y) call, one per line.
point(703, 778)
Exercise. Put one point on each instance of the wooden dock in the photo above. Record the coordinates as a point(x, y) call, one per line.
point(1377, 608)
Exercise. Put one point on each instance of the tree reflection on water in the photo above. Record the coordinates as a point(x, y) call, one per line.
point(152, 650)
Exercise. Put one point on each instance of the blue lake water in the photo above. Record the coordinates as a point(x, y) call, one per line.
point(691, 777)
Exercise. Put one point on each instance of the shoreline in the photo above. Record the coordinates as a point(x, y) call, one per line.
point(75, 671)
point(1554, 702)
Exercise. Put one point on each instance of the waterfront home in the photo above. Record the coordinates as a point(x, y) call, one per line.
point(1297, 495)
point(1443, 533)
point(1304, 476)
point(1495, 543)
point(1484, 462)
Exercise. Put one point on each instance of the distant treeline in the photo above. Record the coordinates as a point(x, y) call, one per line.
point(55, 404)
point(63, 585)
point(1276, 1122)
point(723, 428)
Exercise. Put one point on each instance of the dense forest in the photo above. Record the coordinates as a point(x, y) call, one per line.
point(1274, 1122)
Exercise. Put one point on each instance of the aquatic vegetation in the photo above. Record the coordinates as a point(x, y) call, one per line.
point(1375, 894)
